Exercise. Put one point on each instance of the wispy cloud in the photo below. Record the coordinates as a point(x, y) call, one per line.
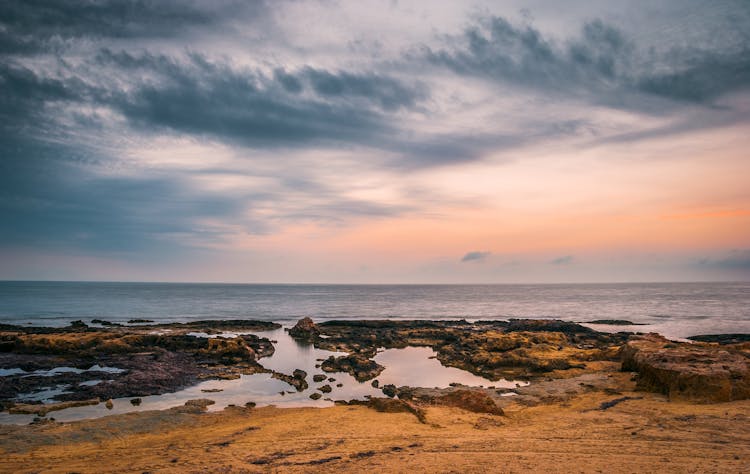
point(475, 256)
point(564, 260)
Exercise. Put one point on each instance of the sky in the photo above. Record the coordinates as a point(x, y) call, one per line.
point(375, 141)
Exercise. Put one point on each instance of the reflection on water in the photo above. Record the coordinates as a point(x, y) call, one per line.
point(411, 366)
point(417, 367)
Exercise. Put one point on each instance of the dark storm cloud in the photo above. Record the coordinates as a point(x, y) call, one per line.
point(390, 94)
point(50, 200)
point(602, 64)
point(34, 25)
point(199, 96)
point(475, 256)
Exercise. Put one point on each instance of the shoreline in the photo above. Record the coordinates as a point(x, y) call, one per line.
point(581, 388)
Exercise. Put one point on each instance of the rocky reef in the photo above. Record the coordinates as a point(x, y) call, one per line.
point(558, 357)
point(696, 372)
point(516, 349)
point(135, 360)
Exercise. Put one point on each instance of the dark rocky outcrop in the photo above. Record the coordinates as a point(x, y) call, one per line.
point(305, 330)
point(389, 390)
point(695, 372)
point(319, 377)
point(359, 366)
point(722, 338)
point(519, 349)
point(616, 322)
point(297, 380)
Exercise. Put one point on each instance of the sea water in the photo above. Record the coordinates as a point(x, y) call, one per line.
point(675, 310)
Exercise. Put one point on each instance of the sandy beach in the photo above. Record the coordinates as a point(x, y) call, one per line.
point(649, 434)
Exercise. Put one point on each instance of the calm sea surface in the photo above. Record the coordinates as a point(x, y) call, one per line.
point(673, 309)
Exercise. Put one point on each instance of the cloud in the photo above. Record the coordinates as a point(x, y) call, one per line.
point(564, 260)
point(602, 64)
point(736, 261)
point(37, 25)
point(475, 256)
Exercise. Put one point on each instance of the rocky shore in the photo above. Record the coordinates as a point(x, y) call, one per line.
point(143, 359)
point(573, 372)
point(136, 360)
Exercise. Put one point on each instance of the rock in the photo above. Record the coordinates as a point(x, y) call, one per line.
point(616, 322)
point(250, 405)
point(305, 329)
point(212, 390)
point(471, 400)
point(109, 404)
point(105, 323)
point(375, 383)
point(299, 374)
point(325, 389)
point(389, 390)
point(548, 325)
point(405, 393)
point(359, 366)
point(299, 383)
point(389, 405)
point(315, 396)
point(78, 324)
point(331, 379)
point(202, 403)
point(139, 321)
point(696, 372)
point(42, 410)
point(339, 385)
point(722, 338)
point(319, 377)
point(135, 402)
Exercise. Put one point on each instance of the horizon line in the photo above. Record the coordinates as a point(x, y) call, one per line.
point(164, 282)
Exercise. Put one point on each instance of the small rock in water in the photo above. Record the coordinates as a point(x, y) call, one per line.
point(325, 389)
point(250, 404)
point(212, 390)
point(315, 396)
point(135, 401)
point(375, 383)
point(109, 404)
point(389, 390)
point(319, 377)
point(299, 374)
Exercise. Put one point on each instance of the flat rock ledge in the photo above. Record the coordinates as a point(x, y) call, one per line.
point(700, 373)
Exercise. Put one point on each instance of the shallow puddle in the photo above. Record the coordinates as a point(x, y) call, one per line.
point(413, 366)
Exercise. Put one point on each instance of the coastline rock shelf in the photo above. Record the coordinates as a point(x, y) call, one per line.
point(513, 350)
point(150, 360)
point(699, 372)
point(557, 357)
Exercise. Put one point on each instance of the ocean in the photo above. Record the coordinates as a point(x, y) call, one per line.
point(676, 310)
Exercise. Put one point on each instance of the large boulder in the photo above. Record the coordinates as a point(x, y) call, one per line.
point(695, 372)
point(305, 329)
